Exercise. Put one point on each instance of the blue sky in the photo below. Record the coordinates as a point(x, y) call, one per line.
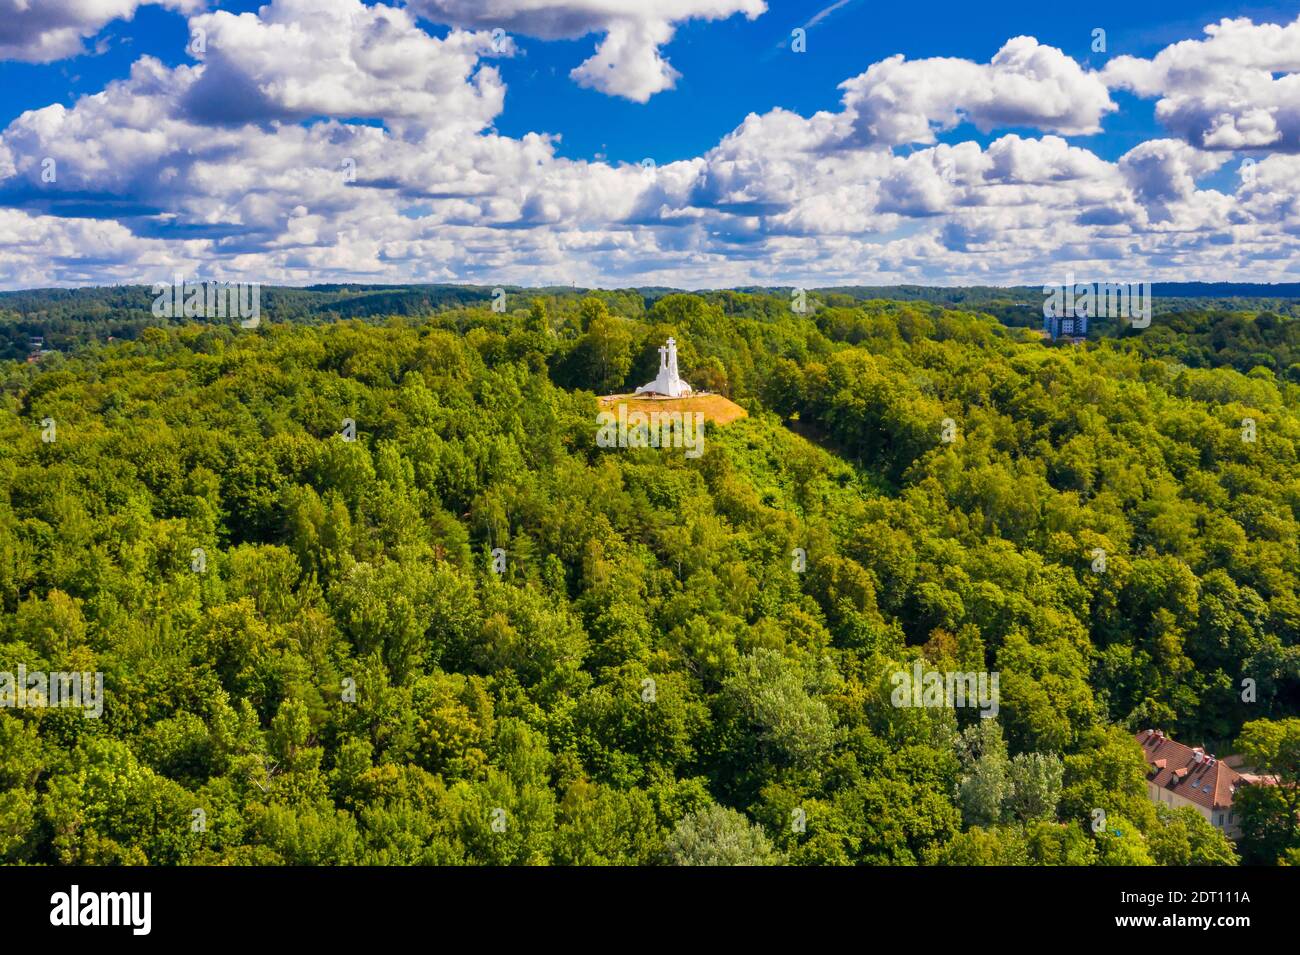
point(726, 68)
point(736, 67)
point(729, 68)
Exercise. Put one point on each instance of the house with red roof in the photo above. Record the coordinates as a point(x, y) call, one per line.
point(1179, 775)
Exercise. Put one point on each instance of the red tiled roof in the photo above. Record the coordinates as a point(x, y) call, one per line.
point(1209, 782)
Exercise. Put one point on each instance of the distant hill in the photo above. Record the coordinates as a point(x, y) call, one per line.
point(966, 294)
point(1225, 290)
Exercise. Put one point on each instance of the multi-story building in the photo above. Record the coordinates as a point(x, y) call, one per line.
point(1072, 328)
point(1179, 775)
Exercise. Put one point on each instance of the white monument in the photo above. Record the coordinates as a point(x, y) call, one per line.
point(667, 383)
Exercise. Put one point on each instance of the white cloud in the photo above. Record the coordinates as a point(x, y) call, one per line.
point(627, 62)
point(303, 58)
point(1237, 89)
point(1026, 84)
point(83, 251)
point(1162, 170)
point(266, 193)
point(41, 31)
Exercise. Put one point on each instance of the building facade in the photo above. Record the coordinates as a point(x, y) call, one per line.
point(1073, 328)
point(1179, 775)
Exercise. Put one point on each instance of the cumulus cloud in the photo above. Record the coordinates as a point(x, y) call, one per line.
point(34, 249)
point(1026, 84)
point(301, 58)
point(627, 62)
point(1164, 169)
point(41, 31)
point(157, 173)
point(1237, 89)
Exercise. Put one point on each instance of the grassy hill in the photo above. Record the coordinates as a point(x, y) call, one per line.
point(715, 408)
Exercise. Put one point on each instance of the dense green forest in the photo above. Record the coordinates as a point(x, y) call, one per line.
point(1239, 324)
point(469, 635)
